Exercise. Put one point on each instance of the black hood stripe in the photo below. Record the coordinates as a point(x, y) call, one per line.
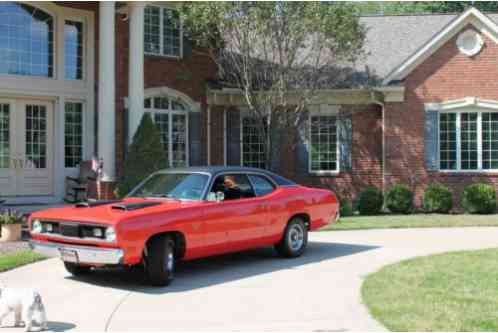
point(135, 205)
point(95, 203)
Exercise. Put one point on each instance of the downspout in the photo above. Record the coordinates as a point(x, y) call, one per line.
point(382, 105)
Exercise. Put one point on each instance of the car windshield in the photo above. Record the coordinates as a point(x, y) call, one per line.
point(181, 186)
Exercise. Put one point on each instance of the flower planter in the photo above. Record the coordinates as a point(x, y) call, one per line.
point(11, 232)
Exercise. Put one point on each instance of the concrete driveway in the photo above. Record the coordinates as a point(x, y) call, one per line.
point(246, 291)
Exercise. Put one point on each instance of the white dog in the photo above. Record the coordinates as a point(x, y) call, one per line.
point(26, 304)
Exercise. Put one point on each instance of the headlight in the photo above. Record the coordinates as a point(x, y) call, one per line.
point(97, 232)
point(36, 227)
point(110, 234)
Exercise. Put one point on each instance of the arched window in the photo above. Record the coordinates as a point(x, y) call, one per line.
point(26, 40)
point(171, 116)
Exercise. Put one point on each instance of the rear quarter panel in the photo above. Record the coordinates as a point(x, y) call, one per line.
point(319, 204)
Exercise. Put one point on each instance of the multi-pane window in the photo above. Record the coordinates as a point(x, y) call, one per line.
point(253, 143)
point(26, 40)
point(171, 117)
point(447, 141)
point(468, 141)
point(73, 134)
point(162, 31)
point(73, 50)
point(36, 136)
point(323, 143)
point(489, 140)
point(4, 136)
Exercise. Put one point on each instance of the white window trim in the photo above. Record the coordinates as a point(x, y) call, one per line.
point(170, 112)
point(161, 39)
point(83, 49)
point(464, 105)
point(458, 141)
point(324, 110)
point(83, 131)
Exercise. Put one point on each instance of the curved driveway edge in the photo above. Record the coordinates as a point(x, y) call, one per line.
point(246, 291)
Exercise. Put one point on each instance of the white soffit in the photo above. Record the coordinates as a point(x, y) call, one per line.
point(471, 16)
point(462, 103)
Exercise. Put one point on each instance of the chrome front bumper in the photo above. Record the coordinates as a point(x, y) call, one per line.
point(86, 254)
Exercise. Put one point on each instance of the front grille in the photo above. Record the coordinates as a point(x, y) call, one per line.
point(69, 230)
point(73, 230)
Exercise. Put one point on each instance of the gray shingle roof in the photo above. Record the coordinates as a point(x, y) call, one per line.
point(391, 40)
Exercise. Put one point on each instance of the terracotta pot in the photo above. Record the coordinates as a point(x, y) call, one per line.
point(11, 232)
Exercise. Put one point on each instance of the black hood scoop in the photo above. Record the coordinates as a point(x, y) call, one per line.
point(135, 205)
point(95, 203)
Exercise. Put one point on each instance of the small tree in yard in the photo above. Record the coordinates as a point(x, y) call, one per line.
point(278, 54)
point(145, 155)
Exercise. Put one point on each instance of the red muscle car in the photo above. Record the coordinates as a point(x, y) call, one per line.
point(182, 214)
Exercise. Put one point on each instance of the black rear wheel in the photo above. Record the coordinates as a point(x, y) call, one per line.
point(160, 260)
point(76, 269)
point(295, 239)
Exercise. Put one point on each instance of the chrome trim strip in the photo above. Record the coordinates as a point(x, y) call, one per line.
point(86, 254)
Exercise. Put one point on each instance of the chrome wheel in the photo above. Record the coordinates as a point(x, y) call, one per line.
point(296, 237)
point(170, 262)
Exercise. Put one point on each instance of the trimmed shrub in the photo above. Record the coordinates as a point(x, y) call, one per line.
point(479, 199)
point(345, 208)
point(145, 155)
point(437, 199)
point(399, 199)
point(370, 201)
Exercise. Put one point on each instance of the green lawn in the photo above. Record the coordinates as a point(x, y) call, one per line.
point(13, 260)
point(412, 221)
point(455, 291)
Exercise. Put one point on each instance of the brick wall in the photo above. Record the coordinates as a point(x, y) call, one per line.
point(187, 75)
point(446, 75)
point(366, 156)
point(366, 152)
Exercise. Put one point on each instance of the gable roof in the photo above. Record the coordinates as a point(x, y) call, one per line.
point(470, 16)
point(394, 41)
point(395, 44)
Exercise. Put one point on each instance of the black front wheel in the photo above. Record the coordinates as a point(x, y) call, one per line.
point(160, 261)
point(76, 269)
point(295, 239)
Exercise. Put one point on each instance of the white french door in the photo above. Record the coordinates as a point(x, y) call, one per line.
point(26, 148)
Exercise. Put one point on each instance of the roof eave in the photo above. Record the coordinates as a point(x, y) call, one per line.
point(471, 16)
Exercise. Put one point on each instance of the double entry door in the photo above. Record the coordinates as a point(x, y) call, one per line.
point(26, 148)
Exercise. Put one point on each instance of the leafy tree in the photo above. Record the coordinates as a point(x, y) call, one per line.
point(421, 7)
point(278, 54)
point(145, 155)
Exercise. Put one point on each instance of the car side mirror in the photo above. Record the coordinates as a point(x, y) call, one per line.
point(215, 197)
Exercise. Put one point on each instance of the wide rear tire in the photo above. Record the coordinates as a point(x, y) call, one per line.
point(160, 261)
point(294, 240)
point(76, 269)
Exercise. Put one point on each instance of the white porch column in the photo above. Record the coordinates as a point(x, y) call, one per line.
point(106, 104)
point(136, 68)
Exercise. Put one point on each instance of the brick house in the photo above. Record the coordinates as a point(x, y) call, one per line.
point(421, 107)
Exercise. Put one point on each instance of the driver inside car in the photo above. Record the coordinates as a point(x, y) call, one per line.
point(231, 190)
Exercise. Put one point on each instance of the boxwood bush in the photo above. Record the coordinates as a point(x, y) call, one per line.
point(399, 199)
point(370, 201)
point(437, 199)
point(345, 207)
point(479, 198)
point(145, 155)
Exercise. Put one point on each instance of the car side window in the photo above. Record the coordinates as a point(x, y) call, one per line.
point(262, 186)
point(234, 186)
